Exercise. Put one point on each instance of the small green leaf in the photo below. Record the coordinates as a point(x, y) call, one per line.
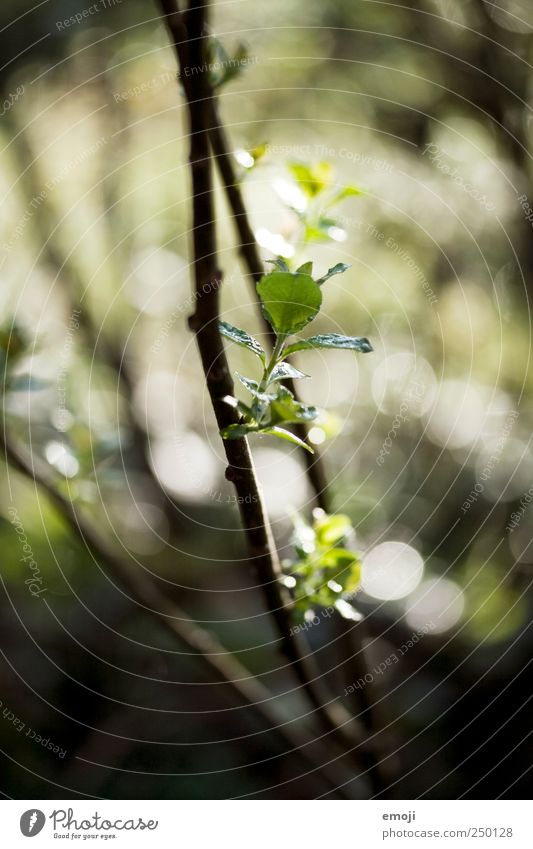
point(281, 433)
point(338, 558)
point(285, 370)
point(330, 530)
point(243, 408)
point(280, 263)
point(346, 192)
point(312, 179)
point(253, 387)
point(306, 268)
point(237, 431)
point(340, 268)
point(353, 580)
point(331, 340)
point(285, 408)
point(258, 151)
point(290, 301)
point(242, 338)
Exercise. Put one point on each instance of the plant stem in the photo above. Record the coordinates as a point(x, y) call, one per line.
point(274, 357)
point(332, 715)
point(250, 256)
point(350, 634)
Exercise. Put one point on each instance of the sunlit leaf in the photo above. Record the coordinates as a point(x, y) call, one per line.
point(253, 387)
point(346, 192)
point(332, 529)
point(280, 263)
point(306, 268)
point(237, 431)
point(242, 338)
point(285, 370)
point(290, 301)
point(340, 268)
point(281, 433)
point(331, 340)
point(285, 408)
point(312, 179)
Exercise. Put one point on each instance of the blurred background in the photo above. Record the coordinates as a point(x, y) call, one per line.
point(425, 107)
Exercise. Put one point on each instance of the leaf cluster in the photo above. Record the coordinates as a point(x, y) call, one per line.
point(326, 571)
point(290, 301)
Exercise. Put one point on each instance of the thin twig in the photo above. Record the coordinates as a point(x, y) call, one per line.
point(250, 255)
point(351, 635)
point(332, 715)
point(143, 591)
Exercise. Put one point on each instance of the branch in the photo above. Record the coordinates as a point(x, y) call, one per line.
point(208, 278)
point(351, 636)
point(250, 255)
point(142, 590)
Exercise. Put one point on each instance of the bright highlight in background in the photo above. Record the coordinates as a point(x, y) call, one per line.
point(437, 603)
point(391, 570)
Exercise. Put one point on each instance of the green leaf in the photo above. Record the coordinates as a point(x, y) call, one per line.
point(312, 179)
point(290, 301)
point(346, 192)
point(258, 151)
point(253, 387)
point(314, 234)
point(353, 580)
point(339, 559)
point(242, 338)
point(331, 340)
point(281, 433)
point(285, 370)
point(306, 268)
point(243, 408)
point(285, 408)
point(237, 431)
point(330, 530)
point(280, 263)
point(340, 268)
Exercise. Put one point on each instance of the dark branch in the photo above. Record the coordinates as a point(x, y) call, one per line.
point(333, 717)
point(143, 591)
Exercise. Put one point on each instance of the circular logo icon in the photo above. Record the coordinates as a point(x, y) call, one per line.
point(32, 822)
